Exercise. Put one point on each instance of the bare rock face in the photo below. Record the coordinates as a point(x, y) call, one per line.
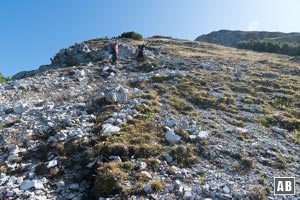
point(79, 54)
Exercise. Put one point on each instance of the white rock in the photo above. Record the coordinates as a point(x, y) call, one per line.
point(52, 163)
point(242, 130)
point(109, 128)
point(20, 180)
point(11, 165)
point(31, 175)
point(172, 137)
point(79, 73)
point(12, 180)
point(119, 94)
point(3, 178)
point(147, 174)
point(193, 137)
point(119, 121)
point(187, 193)
point(115, 158)
point(147, 188)
point(129, 117)
point(278, 130)
point(202, 134)
point(142, 165)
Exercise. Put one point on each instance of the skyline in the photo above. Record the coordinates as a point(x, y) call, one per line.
point(34, 31)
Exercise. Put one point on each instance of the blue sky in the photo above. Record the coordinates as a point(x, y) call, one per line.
point(32, 31)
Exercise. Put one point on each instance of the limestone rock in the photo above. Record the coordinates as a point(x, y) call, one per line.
point(109, 128)
point(147, 188)
point(172, 137)
point(118, 94)
point(278, 130)
point(52, 163)
point(32, 184)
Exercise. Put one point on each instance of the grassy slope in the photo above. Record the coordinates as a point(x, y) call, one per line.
point(266, 95)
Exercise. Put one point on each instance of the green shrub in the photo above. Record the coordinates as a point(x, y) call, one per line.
point(256, 192)
point(152, 164)
point(184, 155)
point(109, 180)
point(2, 79)
point(156, 186)
point(131, 35)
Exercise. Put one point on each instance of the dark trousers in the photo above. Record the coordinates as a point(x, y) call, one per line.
point(114, 58)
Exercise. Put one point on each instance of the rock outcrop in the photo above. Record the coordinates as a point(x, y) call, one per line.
point(231, 38)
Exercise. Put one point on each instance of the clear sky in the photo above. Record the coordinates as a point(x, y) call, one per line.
point(33, 31)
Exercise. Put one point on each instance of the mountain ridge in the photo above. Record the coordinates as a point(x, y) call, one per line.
point(231, 38)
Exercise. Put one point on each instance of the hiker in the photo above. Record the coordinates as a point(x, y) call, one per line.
point(115, 51)
point(141, 53)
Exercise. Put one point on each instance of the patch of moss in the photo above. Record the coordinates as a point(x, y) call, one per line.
point(184, 155)
point(109, 180)
point(156, 186)
point(152, 164)
point(258, 193)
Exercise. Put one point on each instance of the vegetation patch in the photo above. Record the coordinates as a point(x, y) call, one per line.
point(184, 155)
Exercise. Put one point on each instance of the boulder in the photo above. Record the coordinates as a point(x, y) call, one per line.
point(117, 95)
point(109, 128)
point(187, 193)
point(38, 185)
point(147, 188)
point(147, 174)
point(278, 130)
point(19, 109)
point(201, 135)
point(3, 178)
point(172, 137)
point(52, 163)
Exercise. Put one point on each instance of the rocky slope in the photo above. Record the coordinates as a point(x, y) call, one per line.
point(193, 121)
point(231, 38)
